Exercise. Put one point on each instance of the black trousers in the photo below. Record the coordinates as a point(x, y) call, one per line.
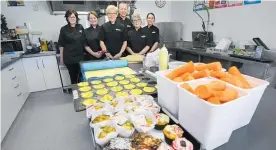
point(74, 72)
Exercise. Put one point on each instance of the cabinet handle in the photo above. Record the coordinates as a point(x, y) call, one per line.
point(37, 64)
point(14, 78)
point(19, 94)
point(43, 63)
point(16, 86)
point(11, 69)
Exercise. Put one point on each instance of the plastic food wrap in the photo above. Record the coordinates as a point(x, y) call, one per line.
point(100, 118)
point(99, 131)
point(143, 121)
point(97, 108)
point(124, 126)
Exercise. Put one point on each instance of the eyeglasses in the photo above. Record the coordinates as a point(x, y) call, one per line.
point(138, 20)
point(111, 13)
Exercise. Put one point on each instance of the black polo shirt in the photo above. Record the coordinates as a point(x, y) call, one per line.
point(73, 40)
point(92, 39)
point(113, 35)
point(152, 33)
point(127, 23)
point(137, 40)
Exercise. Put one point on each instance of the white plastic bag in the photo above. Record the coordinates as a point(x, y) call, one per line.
point(106, 139)
point(91, 110)
point(151, 59)
point(139, 122)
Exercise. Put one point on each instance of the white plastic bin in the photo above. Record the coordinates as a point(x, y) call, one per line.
point(210, 124)
point(167, 93)
point(176, 64)
point(249, 106)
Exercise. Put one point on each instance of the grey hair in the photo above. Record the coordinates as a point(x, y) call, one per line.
point(136, 16)
point(111, 7)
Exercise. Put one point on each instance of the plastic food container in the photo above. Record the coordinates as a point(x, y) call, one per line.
point(212, 125)
point(175, 64)
point(249, 106)
point(167, 93)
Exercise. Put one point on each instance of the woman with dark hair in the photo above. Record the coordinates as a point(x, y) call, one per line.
point(71, 44)
point(152, 32)
point(92, 45)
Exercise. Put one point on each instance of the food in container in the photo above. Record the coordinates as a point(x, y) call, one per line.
point(135, 80)
point(121, 94)
point(182, 144)
point(116, 88)
point(96, 82)
point(88, 102)
point(142, 84)
point(119, 78)
point(87, 94)
point(108, 80)
point(149, 89)
point(124, 82)
point(83, 84)
point(162, 121)
point(101, 118)
point(106, 97)
point(129, 86)
point(99, 86)
point(112, 83)
point(102, 91)
point(119, 144)
point(130, 76)
point(128, 100)
point(143, 120)
point(171, 132)
point(145, 141)
point(105, 131)
point(136, 92)
point(85, 88)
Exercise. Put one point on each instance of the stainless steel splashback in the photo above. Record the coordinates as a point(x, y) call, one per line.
point(170, 31)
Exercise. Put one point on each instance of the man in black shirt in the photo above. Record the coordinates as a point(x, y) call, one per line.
point(123, 8)
point(113, 35)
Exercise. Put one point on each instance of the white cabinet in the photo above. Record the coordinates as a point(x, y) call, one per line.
point(14, 92)
point(42, 73)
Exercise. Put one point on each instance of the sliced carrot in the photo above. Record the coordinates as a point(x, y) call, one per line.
point(203, 91)
point(189, 67)
point(177, 79)
point(187, 87)
point(188, 78)
point(214, 100)
point(218, 74)
point(215, 66)
point(200, 66)
point(201, 74)
point(217, 85)
point(228, 95)
point(234, 81)
point(184, 75)
point(235, 71)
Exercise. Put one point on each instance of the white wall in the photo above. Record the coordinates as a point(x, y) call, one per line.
point(49, 25)
point(241, 23)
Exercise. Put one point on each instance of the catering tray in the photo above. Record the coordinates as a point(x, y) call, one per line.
point(143, 77)
point(158, 133)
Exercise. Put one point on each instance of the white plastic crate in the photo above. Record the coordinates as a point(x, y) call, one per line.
point(167, 93)
point(212, 125)
point(249, 106)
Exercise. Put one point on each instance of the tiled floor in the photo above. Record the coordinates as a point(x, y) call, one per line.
point(48, 122)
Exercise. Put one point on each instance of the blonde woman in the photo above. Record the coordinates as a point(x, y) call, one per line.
point(92, 45)
point(138, 42)
point(113, 35)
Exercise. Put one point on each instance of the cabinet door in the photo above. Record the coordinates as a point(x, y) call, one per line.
point(50, 72)
point(34, 74)
point(9, 107)
point(22, 81)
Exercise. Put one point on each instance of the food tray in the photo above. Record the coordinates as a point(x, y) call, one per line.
point(143, 77)
point(158, 134)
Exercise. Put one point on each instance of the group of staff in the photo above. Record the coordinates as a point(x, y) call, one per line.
point(118, 37)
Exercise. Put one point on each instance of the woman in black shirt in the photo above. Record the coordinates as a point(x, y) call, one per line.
point(92, 45)
point(137, 42)
point(71, 44)
point(152, 32)
point(113, 35)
